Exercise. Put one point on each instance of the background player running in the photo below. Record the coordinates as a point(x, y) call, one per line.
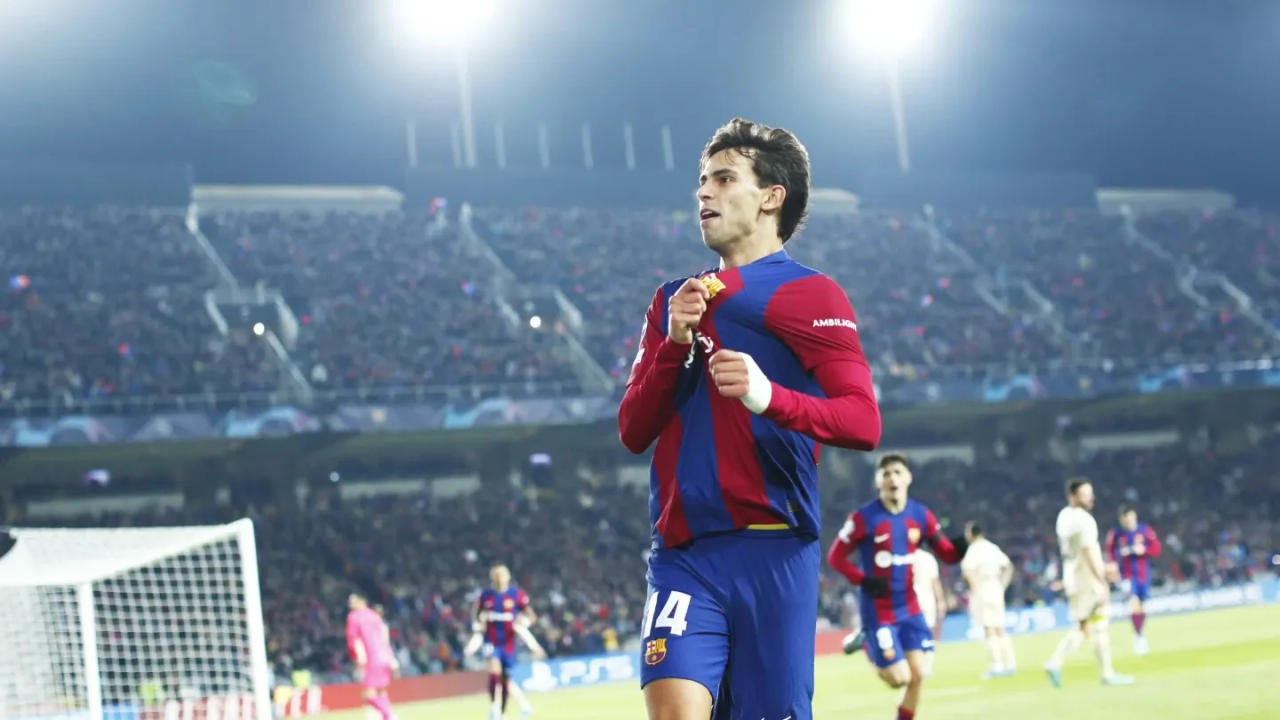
point(1131, 548)
point(989, 571)
point(369, 643)
point(1085, 583)
point(884, 533)
point(741, 372)
point(503, 613)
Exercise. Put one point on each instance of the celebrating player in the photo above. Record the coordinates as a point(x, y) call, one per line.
point(503, 613)
point(988, 571)
point(741, 372)
point(885, 533)
point(1084, 581)
point(1130, 548)
point(369, 643)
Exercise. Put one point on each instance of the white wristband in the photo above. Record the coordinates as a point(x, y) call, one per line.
point(759, 389)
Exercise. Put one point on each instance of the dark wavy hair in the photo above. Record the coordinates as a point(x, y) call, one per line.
point(777, 157)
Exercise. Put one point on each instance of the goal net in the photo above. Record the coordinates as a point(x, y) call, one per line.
point(132, 624)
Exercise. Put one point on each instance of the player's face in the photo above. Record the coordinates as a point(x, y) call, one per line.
point(354, 602)
point(1084, 496)
point(892, 481)
point(730, 199)
point(1129, 520)
point(500, 576)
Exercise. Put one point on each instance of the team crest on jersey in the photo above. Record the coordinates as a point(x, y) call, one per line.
point(913, 535)
point(712, 283)
point(508, 604)
point(655, 651)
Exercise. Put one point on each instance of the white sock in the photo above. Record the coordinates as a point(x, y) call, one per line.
point(1067, 645)
point(1006, 644)
point(1100, 635)
point(993, 652)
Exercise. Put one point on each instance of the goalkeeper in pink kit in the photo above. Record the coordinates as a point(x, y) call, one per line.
point(369, 642)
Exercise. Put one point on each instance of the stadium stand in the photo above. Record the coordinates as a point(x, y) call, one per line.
point(105, 304)
point(579, 551)
point(105, 307)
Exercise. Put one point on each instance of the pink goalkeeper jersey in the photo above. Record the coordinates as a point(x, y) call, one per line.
point(365, 624)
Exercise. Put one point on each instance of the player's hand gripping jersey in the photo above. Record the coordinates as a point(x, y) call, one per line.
point(719, 467)
point(733, 494)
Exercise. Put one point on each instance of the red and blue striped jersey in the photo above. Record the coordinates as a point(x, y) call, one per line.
point(1130, 549)
point(718, 467)
point(498, 611)
point(884, 543)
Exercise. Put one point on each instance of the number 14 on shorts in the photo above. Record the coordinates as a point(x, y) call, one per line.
point(673, 614)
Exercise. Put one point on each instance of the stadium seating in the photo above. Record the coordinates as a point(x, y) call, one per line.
point(385, 301)
point(1243, 245)
point(1120, 300)
point(580, 552)
point(106, 305)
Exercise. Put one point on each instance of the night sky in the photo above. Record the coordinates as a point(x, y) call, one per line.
point(1140, 92)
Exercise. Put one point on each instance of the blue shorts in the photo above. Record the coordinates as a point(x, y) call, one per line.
point(506, 658)
point(736, 613)
point(1142, 591)
point(888, 644)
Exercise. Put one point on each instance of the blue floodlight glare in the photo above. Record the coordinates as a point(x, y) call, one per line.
point(443, 21)
point(890, 28)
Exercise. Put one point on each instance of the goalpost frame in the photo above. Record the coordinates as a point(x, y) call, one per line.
point(253, 610)
point(88, 590)
point(89, 646)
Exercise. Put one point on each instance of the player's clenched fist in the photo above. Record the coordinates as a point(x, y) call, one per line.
point(736, 375)
point(685, 310)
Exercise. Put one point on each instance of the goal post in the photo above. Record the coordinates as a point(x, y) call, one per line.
point(132, 624)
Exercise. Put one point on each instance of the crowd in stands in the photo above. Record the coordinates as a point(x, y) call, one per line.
point(108, 304)
point(579, 549)
point(1120, 300)
point(1243, 245)
point(391, 301)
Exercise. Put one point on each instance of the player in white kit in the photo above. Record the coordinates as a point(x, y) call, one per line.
point(989, 571)
point(1084, 581)
point(927, 582)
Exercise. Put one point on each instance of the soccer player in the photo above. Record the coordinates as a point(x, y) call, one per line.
point(741, 372)
point(1084, 581)
point(885, 533)
point(989, 571)
point(369, 643)
point(503, 613)
point(1130, 548)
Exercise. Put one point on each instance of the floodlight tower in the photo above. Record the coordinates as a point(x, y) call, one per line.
point(453, 24)
point(888, 30)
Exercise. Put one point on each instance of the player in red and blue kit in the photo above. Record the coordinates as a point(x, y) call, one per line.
point(1131, 548)
point(741, 373)
point(884, 533)
point(503, 613)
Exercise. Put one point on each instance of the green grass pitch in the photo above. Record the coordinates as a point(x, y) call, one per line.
point(1220, 665)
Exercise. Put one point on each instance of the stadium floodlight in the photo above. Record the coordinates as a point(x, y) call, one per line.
point(144, 622)
point(451, 23)
point(447, 22)
point(889, 29)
